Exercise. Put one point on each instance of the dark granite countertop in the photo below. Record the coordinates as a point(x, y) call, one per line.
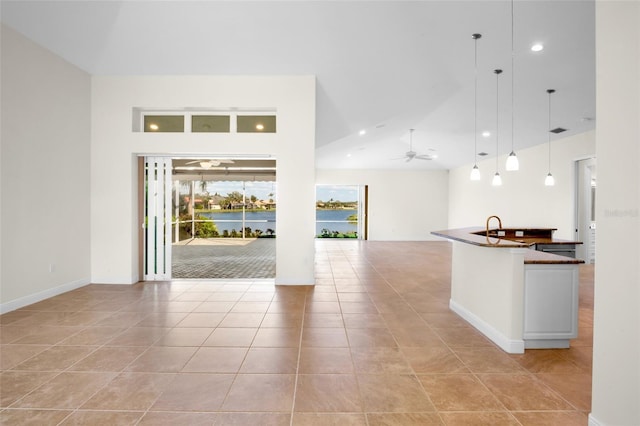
point(477, 236)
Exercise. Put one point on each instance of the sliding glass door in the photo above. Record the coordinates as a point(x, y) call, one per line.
point(157, 218)
point(341, 211)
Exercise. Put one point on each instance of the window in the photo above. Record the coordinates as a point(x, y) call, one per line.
point(210, 123)
point(204, 120)
point(164, 123)
point(341, 211)
point(256, 123)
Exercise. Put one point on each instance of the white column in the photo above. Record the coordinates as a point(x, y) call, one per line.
point(616, 330)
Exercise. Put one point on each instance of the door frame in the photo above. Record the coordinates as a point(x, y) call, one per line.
point(584, 203)
point(155, 265)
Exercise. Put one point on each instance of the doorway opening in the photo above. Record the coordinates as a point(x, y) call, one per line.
point(218, 218)
point(341, 211)
point(586, 182)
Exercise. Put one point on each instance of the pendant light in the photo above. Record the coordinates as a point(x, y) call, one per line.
point(549, 180)
point(475, 171)
point(497, 180)
point(512, 159)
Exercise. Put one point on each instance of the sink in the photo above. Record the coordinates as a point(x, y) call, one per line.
point(491, 233)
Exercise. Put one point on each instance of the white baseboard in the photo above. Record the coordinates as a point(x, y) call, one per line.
point(42, 295)
point(594, 422)
point(292, 282)
point(506, 344)
point(114, 280)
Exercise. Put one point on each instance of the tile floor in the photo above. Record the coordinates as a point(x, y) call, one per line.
point(228, 258)
point(373, 343)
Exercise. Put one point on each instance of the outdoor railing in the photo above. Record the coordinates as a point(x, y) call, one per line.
point(225, 232)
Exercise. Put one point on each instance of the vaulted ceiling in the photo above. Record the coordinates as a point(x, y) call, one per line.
point(382, 67)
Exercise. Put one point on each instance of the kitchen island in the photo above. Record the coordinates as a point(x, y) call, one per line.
point(518, 297)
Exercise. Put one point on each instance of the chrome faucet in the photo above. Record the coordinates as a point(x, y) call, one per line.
point(489, 219)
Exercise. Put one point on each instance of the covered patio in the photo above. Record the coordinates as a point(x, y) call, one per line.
point(212, 258)
point(194, 254)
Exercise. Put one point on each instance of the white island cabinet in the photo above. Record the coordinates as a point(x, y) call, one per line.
point(550, 305)
point(517, 297)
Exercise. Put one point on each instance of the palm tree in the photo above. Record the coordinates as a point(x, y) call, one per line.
point(203, 186)
point(235, 196)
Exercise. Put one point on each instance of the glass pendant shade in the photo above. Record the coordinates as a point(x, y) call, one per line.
point(512, 162)
point(549, 180)
point(475, 173)
point(497, 180)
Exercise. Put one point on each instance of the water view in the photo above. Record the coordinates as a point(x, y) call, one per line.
point(265, 220)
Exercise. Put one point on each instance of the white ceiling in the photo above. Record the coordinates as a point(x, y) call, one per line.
point(381, 66)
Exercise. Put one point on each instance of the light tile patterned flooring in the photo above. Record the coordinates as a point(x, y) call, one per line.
point(214, 258)
point(373, 343)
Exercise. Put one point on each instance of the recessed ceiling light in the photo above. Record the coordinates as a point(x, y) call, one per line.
point(537, 47)
point(348, 155)
point(486, 134)
point(153, 126)
point(362, 132)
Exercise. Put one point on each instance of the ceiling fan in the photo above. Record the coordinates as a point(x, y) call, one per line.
point(411, 154)
point(207, 164)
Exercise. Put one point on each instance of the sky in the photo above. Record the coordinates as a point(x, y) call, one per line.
point(259, 189)
point(337, 192)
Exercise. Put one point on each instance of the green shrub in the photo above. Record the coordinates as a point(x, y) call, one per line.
point(202, 229)
point(326, 233)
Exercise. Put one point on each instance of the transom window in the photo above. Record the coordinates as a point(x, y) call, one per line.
point(203, 121)
point(256, 124)
point(164, 123)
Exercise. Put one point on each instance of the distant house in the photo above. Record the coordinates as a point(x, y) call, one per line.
point(214, 202)
point(268, 205)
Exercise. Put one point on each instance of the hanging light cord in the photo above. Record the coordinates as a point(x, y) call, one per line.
point(550, 91)
point(475, 99)
point(512, 79)
point(498, 72)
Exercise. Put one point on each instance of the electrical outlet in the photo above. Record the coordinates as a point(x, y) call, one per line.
point(519, 233)
point(52, 267)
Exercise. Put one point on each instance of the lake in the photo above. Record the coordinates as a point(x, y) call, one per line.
point(334, 220)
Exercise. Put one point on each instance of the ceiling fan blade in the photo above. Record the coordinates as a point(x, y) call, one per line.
point(210, 162)
point(423, 157)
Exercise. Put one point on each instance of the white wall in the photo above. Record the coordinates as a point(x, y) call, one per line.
point(115, 222)
point(616, 344)
point(403, 205)
point(523, 199)
point(45, 173)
